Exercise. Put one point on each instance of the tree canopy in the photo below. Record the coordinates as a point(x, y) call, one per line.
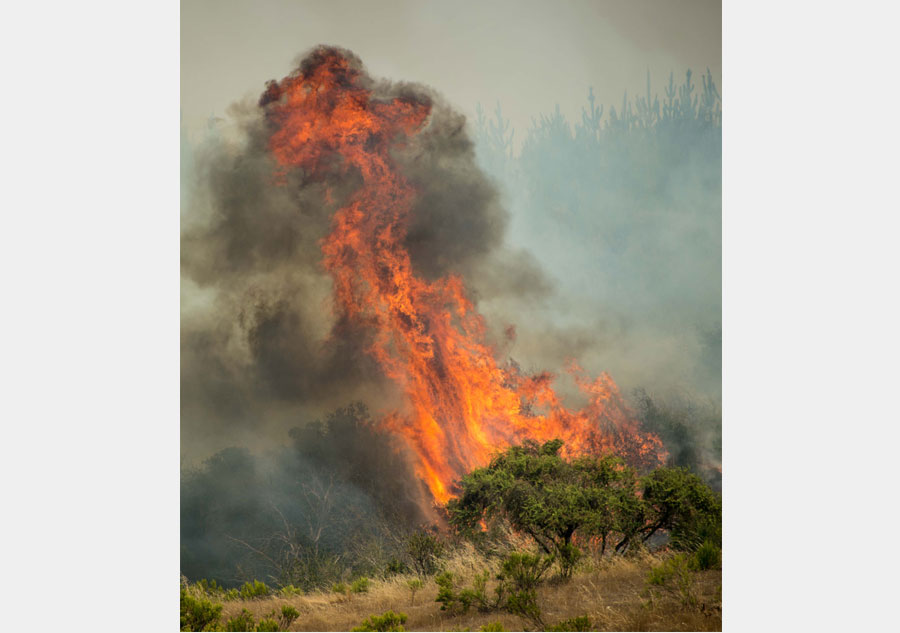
point(556, 501)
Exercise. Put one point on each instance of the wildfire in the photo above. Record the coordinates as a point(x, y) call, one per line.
point(427, 335)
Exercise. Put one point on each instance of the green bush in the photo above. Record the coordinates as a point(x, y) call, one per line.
point(242, 622)
point(493, 627)
point(568, 556)
point(523, 603)
point(288, 615)
point(425, 551)
point(581, 623)
point(246, 622)
point(707, 556)
point(395, 566)
point(267, 624)
point(198, 614)
point(520, 574)
point(458, 602)
point(387, 621)
point(477, 595)
point(210, 587)
point(232, 594)
point(516, 591)
point(525, 570)
point(290, 590)
point(555, 501)
point(360, 585)
point(660, 574)
point(414, 585)
point(447, 594)
point(675, 577)
point(339, 587)
point(681, 503)
point(255, 589)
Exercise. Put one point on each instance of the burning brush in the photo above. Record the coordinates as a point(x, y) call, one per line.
point(328, 120)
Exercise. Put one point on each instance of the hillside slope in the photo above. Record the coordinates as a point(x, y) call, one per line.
point(613, 593)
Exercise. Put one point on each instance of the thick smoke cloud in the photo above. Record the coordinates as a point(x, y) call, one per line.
point(261, 344)
point(265, 356)
point(288, 514)
point(623, 210)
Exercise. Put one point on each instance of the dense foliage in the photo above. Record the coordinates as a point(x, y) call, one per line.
point(199, 613)
point(556, 502)
point(677, 500)
point(387, 621)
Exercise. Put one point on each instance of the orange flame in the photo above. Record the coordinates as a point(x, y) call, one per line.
point(428, 337)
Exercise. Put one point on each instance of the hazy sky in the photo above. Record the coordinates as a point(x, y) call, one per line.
point(529, 54)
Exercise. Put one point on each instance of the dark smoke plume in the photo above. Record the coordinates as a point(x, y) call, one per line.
point(263, 350)
point(261, 343)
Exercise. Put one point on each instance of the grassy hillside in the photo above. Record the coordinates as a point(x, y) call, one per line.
point(615, 593)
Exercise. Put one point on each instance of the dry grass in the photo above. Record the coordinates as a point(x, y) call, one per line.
point(612, 592)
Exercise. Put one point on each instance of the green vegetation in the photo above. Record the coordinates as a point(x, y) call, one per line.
point(267, 624)
point(520, 575)
point(243, 622)
point(288, 615)
point(212, 589)
point(209, 587)
point(360, 585)
point(395, 566)
point(387, 621)
point(425, 550)
point(545, 497)
point(554, 501)
point(675, 577)
point(532, 490)
point(581, 623)
point(707, 556)
point(414, 585)
point(198, 614)
point(254, 589)
point(457, 600)
point(271, 622)
point(515, 591)
point(678, 501)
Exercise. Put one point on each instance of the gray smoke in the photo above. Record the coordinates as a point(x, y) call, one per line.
point(623, 210)
point(262, 346)
point(267, 363)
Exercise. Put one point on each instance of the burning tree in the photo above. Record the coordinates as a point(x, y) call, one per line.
point(330, 120)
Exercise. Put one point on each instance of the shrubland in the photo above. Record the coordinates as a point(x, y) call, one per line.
point(534, 541)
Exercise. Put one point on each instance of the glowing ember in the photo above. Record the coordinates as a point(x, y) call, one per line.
point(428, 337)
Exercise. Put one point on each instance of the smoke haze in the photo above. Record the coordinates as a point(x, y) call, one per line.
point(262, 343)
